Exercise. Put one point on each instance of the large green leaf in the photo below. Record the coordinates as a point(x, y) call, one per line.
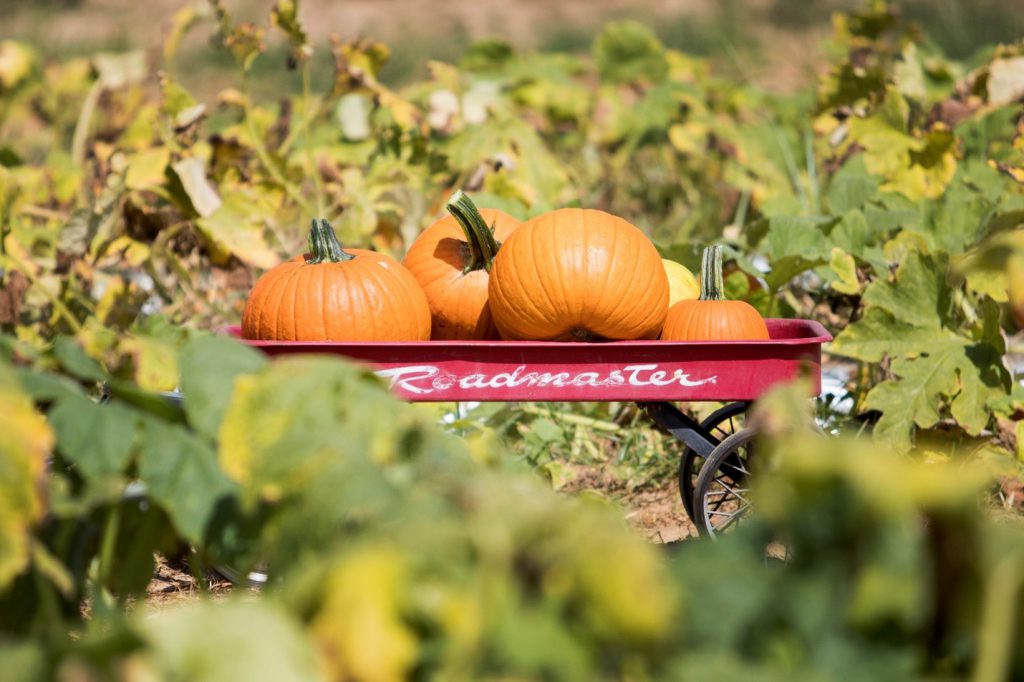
point(237, 640)
point(181, 473)
point(919, 296)
point(209, 366)
point(950, 372)
point(910, 320)
point(97, 439)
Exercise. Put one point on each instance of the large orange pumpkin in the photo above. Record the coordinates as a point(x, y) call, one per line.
point(712, 317)
point(331, 294)
point(578, 275)
point(451, 260)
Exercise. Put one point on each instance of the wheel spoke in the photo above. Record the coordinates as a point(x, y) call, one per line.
point(729, 491)
point(732, 519)
point(736, 467)
point(729, 514)
point(734, 491)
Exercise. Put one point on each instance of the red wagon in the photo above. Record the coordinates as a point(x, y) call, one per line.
point(713, 465)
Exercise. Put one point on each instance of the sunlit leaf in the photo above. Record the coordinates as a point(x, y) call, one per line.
point(191, 172)
point(209, 367)
point(359, 625)
point(24, 448)
point(240, 639)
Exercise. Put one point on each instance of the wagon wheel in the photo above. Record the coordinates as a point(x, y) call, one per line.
point(722, 492)
point(721, 424)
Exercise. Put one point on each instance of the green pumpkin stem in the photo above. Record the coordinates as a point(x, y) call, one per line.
point(480, 238)
point(324, 246)
point(712, 288)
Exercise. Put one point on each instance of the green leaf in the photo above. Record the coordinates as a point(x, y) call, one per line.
point(851, 187)
point(97, 439)
point(24, 661)
point(951, 371)
point(45, 388)
point(181, 473)
point(235, 640)
point(627, 51)
point(797, 236)
point(74, 359)
point(209, 366)
point(878, 334)
point(919, 295)
point(786, 268)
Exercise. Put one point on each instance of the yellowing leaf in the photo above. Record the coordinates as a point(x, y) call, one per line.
point(24, 447)
point(845, 268)
point(16, 63)
point(918, 167)
point(237, 227)
point(154, 362)
point(359, 626)
point(147, 169)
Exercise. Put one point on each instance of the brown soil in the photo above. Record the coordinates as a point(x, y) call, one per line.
point(173, 583)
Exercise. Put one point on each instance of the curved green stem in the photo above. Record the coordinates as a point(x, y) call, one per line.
point(480, 238)
point(324, 245)
point(712, 288)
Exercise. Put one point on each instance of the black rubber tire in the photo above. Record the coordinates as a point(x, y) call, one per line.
point(730, 460)
point(690, 462)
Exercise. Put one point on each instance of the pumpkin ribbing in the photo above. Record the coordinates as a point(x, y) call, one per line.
point(578, 275)
point(712, 317)
point(334, 294)
point(452, 260)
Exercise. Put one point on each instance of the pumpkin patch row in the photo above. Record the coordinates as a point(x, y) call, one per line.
point(572, 274)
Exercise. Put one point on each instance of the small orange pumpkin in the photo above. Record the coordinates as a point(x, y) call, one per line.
point(712, 317)
point(331, 294)
point(451, 260)
point(578, 275)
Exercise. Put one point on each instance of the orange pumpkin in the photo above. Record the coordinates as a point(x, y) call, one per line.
point(578, 275)
point(451, 260)
point(331, 294)
point(712, 317)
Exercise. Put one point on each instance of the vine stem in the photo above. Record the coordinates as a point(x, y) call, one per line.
point(102, 599)
point(711, 284)
point(480, 238)
point(82, 124)
point(324, 245)
point(264, 155)
point(307, 120)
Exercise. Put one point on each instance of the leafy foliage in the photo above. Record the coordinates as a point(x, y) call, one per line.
point(886, 204)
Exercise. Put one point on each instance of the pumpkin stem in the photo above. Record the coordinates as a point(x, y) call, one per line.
point(324, 246)
point(480, 238)
point(712, 288)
